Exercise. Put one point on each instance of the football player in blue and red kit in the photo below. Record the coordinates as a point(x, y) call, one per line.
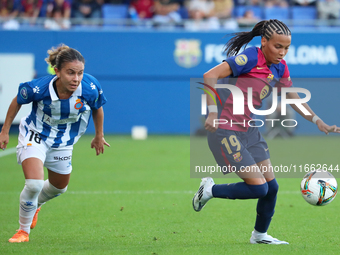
point(235, 142)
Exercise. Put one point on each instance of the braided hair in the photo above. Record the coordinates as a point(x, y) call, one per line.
point(265, 28)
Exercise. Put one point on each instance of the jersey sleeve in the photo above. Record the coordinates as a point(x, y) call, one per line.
point(25, 93)
point(285, 81)
point(244, 62)
point(99, 100)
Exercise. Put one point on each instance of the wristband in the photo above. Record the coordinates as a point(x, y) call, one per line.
point(315, 118)
point(212, 108)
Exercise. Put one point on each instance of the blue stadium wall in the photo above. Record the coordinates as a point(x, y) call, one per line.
point(146, 75)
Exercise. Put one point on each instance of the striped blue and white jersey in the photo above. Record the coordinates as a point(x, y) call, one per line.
point(60, 122)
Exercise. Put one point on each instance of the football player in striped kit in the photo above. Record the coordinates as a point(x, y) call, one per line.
point(61, 108)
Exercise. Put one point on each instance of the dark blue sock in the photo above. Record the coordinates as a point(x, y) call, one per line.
point(240, 190)
point(265, 207)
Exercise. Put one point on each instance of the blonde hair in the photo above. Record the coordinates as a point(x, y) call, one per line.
point(58, 56)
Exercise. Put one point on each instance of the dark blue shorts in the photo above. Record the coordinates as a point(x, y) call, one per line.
point(234, 150)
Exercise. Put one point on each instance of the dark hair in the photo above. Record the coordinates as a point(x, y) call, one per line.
point(58, 56)
point(264, 28)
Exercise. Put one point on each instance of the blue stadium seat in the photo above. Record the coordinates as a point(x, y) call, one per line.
point(304, 12)
point(240, 10)
point(114, 11)
point(280, 13)
point(183, 11)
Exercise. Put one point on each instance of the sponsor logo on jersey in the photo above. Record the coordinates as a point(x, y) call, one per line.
point(264, 92)
point(23, 93)
point(237, 156)
point(36, 90)
point(50, 121)
point(79, 104)
point(63, 158)
point(241, 60)
point(188, 53)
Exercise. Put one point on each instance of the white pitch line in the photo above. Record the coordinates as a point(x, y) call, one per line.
point(137, 192)
point(7, 152)
point(134, 192)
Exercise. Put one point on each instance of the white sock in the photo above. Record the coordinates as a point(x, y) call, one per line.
point(29, 202)
point(258, 234)
point(49, 192)
point(209, 191)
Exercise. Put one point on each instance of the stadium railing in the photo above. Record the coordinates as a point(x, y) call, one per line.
point(39, 23)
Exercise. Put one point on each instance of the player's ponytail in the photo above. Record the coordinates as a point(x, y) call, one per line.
point(234, 45)
point(58, 56)
point(264, 28)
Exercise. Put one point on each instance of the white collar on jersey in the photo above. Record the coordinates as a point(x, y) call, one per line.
point(54, 96)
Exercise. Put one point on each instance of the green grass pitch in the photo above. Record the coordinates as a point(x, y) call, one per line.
point(136, 199)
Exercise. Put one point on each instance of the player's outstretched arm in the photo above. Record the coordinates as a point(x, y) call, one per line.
point(323, 127)
point(98, 141)
point(11, 113)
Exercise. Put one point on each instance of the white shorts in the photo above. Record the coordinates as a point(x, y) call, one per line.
point(30, 145)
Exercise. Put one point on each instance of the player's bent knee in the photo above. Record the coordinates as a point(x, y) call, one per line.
point(56, 191)
point(63, 190)
point(273, 187)
point(34, 186)
point(29, 195)
point(259, 190)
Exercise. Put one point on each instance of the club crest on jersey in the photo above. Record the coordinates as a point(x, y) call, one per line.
point(188, 53)
point(23, 93)
point(270, 77)
point(241, 60)
point(237, 156)
point(264, 92)
point(79, 104)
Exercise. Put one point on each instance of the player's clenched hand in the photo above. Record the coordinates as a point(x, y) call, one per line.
point(209, 122)
point(323, 127)
point(98, 143)
point(4, 138)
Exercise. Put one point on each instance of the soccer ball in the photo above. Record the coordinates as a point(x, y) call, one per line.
point(319, 187)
